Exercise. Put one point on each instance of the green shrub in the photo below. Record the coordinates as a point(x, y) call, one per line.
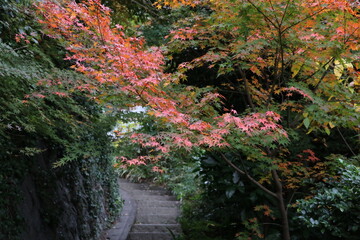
point(334, 209)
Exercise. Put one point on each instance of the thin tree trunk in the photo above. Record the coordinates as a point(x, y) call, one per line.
point(281, 206)
point(247, 90)
point(278, 195)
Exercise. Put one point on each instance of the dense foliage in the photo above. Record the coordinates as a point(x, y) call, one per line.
point(265, 92)
point(262, 55)
point(333, 211)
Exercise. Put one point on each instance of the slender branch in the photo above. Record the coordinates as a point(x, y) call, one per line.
point(98, 25)
point(323, 76)
point(302, 20)
point(331, 59)
point(344, 26)
point(347, 144)
point(276, 63)
point(288, 116)
point(351, 35)
point(247, 90)
point(262, 13)
point(19, 48)
point(272, 90)
point(243, 165)
point(248, 176)
point(281, 77)
point(290, 200)
point(139, 95)
point(241, 160)
point(273, 9)
point(147, 8)
point(285, 11)
point(279, 71)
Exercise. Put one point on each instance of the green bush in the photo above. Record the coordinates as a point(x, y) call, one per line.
point(334, 209)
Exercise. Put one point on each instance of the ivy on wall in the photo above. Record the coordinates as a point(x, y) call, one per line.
point(38, 133)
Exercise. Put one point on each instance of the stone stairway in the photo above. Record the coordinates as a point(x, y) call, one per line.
point(154, 209)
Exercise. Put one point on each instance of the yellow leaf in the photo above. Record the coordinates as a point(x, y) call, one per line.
point(340, 66)
point(296, 68)
point(310, 130)
point(338, 69)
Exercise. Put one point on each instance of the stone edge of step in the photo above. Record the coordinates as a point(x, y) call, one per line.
point(121, 229)
point(166, 228)
point(150, 235)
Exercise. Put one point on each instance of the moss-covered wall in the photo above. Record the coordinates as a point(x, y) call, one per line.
point(40, 202)
point(72, 202)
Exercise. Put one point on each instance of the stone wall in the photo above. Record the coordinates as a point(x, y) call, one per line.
point(73, 202)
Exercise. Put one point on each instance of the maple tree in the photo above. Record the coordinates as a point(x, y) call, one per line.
point(293, 61)
point(120, 63)
point(304, 67)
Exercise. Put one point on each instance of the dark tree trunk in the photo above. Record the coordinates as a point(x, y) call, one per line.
point(281, 206)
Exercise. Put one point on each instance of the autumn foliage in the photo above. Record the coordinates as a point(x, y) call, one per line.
point(123, 67)
point(296, 66)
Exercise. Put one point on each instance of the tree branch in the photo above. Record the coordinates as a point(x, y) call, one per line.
point(273, 9)
point(146, 7)
point(247, 90)
point(248, 176)
point(290, 200)
point(283, 16)
point(328, 62)
point(302, 20)
point(262, 13)
point(323, 76)
point(347, 144)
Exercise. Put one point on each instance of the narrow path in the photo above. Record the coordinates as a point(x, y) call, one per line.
point(150, 213)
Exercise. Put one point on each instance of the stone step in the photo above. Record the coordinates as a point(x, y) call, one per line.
point(159, 203)
point(166, 228)
point(145, 198)
point(155, 219)
point(151, 192)
point(140, 186)
point(150, 236)
point(159, 210)
point(155, 212)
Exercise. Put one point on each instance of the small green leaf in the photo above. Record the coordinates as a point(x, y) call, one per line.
point(327, 130)
point(306, 122)
point(310, 130)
